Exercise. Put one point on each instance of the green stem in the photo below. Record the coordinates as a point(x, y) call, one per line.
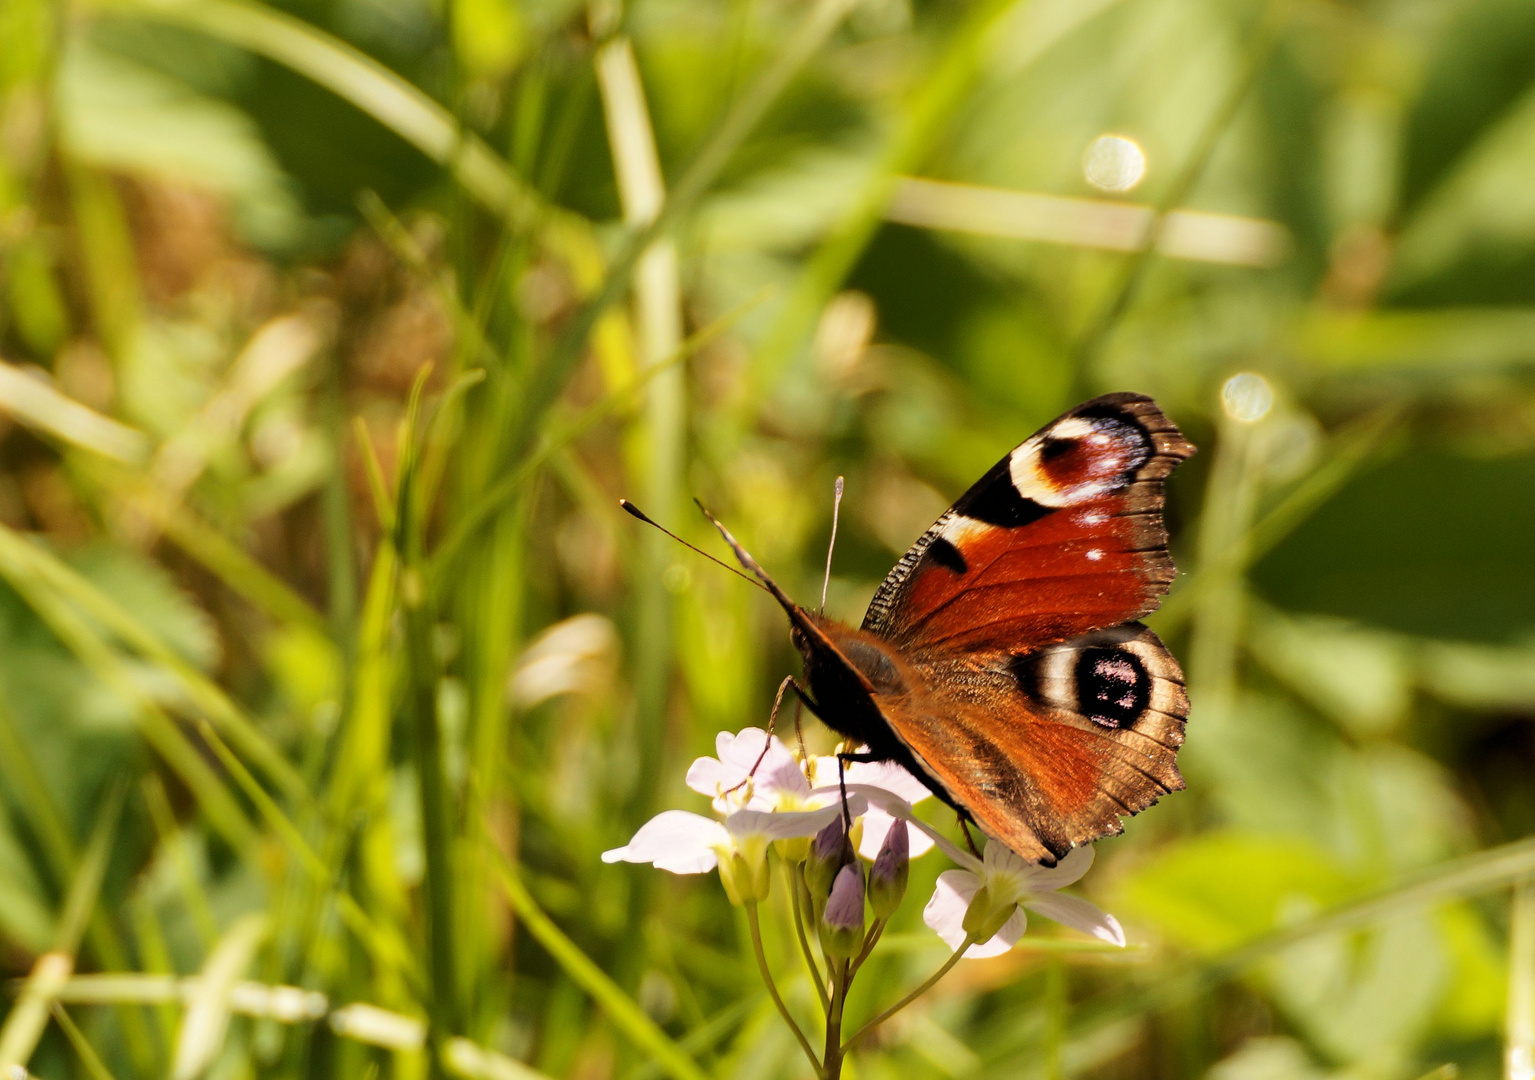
point(868, 946)
point(772, 987)
point(842, 977)
point(796, 878)
point(927, 985)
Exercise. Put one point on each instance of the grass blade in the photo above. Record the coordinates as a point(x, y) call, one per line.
point(207, 1017)
point(627, 1016)
point(94, 1066)
point(1519, 1037)
point(29, 1016)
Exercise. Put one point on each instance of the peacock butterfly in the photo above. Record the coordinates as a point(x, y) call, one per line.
point(1000, 661)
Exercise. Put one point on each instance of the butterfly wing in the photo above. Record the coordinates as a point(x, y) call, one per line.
point(1062, 536)
point(1048, 749)
point(1045, 710)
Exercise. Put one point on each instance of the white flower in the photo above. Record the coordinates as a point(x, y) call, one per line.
point(754, 770)
point(885, 776)
point(1010, 885)
point(687, 843)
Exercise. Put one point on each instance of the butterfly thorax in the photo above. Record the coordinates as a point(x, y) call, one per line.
point(844, 669)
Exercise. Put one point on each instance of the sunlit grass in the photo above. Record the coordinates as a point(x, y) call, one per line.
point(324, 367)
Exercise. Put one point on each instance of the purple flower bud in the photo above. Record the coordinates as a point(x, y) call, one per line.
point(842, 921)
point(828, 854)
point(887, 877)
point(831, 842)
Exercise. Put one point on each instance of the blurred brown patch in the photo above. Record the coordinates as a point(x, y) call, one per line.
point(179, 233)
point(55, 504)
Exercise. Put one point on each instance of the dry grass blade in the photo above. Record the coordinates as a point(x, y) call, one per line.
point(1519, 1029)
point(207, 1015)
point(29, 1016)
point(36, 402)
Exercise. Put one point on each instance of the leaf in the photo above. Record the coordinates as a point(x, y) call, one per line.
point(1359, 676)
point(156, 601)
point(1365, 1000)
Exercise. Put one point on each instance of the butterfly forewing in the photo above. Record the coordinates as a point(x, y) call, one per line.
point(1062, 536)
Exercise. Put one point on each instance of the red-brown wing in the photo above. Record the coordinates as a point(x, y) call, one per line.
point(1062, 536)
point(1048, 749)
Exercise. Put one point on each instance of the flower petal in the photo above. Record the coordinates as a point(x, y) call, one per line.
point(1003, 940)
point(1066, 872)
point(777, 772)
point(752, 754)
point(714, 778)
point(876, 825)
point(890, 776)
point(787, 824)
point(945, 915)
point(674, 840)
point(945, 911)
point(1079, 914)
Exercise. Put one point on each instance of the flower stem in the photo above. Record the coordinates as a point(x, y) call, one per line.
point(913, 996)
point(796, 878)
point(841, 976)
point(772, 987)
point(868, 946)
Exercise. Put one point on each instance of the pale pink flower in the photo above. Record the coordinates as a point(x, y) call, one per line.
point(1010, 881)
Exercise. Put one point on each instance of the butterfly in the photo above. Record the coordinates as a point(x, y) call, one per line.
point(1000, 661)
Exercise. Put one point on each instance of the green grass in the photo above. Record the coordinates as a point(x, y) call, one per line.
point(305, 770)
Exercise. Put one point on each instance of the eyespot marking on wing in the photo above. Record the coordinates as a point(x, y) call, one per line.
point(1117, 678)
point(1077, 459)
point(1112, 686)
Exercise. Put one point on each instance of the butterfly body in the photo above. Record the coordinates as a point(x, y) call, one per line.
point(1001, 661)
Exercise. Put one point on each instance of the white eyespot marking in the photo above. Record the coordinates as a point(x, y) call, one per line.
point(1029, 479)
point(1106, 451)
point(959, 528)
point(1073, 427)
point(1092, 517)
point(1094, 554)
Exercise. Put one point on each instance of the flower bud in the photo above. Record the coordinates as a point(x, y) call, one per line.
point(887, 877)
point(842, 921)
point(983, 918)
point(827, 855)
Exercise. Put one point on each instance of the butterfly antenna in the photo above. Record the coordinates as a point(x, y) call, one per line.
point(635, 511)
point(836, 508)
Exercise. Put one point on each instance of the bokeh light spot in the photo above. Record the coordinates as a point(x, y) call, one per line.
point(1247, 397)
point(1114, 163)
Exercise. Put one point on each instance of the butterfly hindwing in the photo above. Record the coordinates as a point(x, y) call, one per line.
point(1062, 536)
point(1048, 749)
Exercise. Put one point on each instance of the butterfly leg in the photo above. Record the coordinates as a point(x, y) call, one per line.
point(847, 815)
point(964, 827)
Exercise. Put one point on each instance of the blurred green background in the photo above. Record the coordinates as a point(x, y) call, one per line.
point(332, 331)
